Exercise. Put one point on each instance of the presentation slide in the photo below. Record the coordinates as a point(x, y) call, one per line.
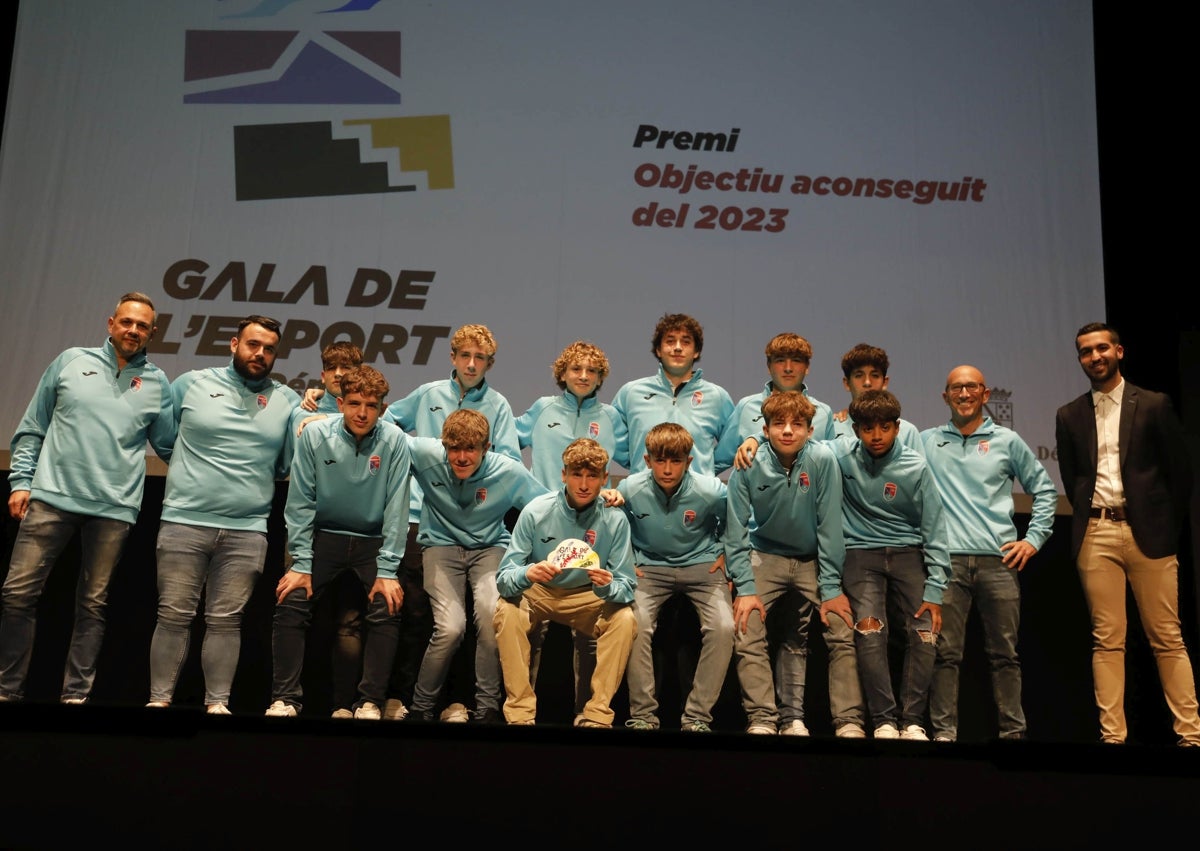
point(919, 175)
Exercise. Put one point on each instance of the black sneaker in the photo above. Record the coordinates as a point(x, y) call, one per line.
point(421, 716)
point(487, 716)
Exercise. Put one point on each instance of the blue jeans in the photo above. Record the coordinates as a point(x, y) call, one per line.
point(448, 570)
point(890, 583)
point(44, 534)
point(996, 593)
point(225, 565)
point(709, 593)
point(334, 554)
point(773, 576)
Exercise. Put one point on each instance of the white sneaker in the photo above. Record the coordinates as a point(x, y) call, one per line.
point(280, 709)
point(368, 712)
point(942, 739)
point(887, 731)
point(851, 731)
point(761, 728)
point(157, 704)
point(795, 727)
point(914, 733)
point(456, 713)
point(394, 710)
point(74, 701)
point(217, 709)
point(340, 713)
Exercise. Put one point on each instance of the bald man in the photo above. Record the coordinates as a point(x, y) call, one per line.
point(974, 463)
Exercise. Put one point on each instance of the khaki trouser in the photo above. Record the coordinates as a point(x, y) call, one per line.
point(613, 624)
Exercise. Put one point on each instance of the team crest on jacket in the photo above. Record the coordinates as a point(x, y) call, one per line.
point(805, 481)
point(590, 537)
point(480, 496)
point(262, 400)
point(889, 491)
point(374, 463)
point(593, 430)
point(689, 517)
point(983, 447)
point(697, 398)
point(135, 383)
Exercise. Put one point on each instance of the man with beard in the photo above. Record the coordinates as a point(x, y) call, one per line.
point(79, 465)
point(1125, 468)
point(236, 436)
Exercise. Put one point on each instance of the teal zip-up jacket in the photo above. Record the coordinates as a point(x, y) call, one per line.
point(678, 530)
point(975, 475)
point(748, 421)
point(348, 487)
point(796, 513)
point(81, 446)
point(909, 434)
point(423, 412)
point(700, 406)
point(468, 513)
point(549, 520)
point(552, 422)
point(893, 502)
point(236, 437)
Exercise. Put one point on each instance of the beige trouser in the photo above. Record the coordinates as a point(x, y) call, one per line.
point(613, 624)
point(1109, 556)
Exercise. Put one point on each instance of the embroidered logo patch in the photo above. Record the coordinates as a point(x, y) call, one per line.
point(889, 491)
point(262, 400)
point(983, 447)
point(373, 464)
point(697, 398)
point(135, 383)
point(590, 537)
point(689, 517)
point(593, 430)
point(480, 496)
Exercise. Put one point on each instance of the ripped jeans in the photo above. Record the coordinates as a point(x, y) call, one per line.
point(887, 586)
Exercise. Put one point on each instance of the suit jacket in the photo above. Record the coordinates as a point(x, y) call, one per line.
point(1155, 467)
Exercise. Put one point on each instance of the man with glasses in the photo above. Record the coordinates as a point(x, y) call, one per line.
point(974, 463)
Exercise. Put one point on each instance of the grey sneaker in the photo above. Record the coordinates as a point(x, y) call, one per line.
point(456, 713)
point(851, 730)
point(368, 712)
point(696, 727)
point(588, 722)
point(795, 727)
point(394, 710)
point(761, 728)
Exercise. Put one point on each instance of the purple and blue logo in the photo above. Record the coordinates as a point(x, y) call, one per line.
point(320, 157)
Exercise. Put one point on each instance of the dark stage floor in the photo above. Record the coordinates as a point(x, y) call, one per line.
point(179, 778)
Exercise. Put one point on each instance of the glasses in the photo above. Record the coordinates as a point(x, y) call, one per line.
point(971, 387)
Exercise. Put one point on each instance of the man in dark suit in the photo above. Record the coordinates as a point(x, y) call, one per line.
point(1126, 471)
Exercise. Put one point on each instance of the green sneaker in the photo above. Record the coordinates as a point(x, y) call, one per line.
point(696, 727)
point(639, 724)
